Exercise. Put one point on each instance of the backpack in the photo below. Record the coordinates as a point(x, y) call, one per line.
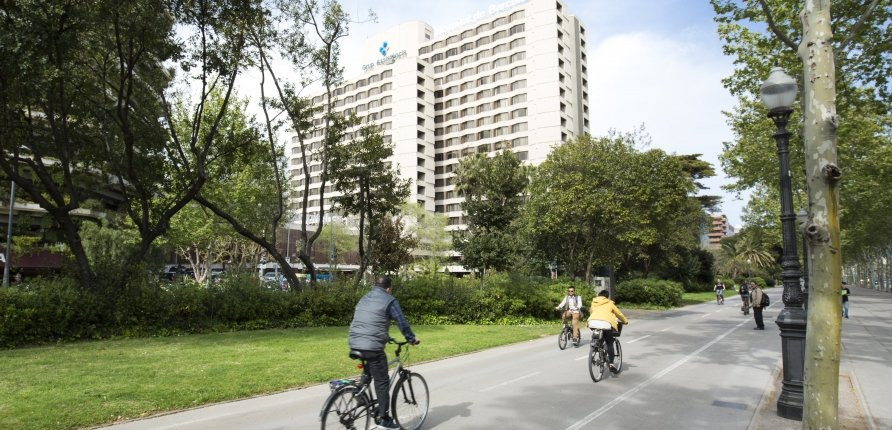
point(765, 301)
point(744, 289)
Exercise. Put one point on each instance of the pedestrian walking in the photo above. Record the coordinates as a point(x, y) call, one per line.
point(845, 299)
point(757, 294)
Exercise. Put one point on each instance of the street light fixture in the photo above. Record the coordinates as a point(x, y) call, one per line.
point(778, 94)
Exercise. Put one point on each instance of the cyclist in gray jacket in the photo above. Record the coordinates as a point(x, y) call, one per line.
point(368, 335)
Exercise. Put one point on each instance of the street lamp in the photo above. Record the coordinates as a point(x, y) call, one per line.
point(778, 94)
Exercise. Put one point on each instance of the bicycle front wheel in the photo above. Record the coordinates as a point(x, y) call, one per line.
point(563, 338)
point(596, 363)
point(346, 408)
point(410, 401)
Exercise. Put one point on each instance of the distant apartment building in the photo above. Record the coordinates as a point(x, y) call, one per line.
point(512, 77)
point(719, 229)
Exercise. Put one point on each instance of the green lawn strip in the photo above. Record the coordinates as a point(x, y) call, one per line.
point(88, 383)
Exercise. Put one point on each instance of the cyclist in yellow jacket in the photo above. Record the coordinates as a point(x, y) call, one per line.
point(604, 309)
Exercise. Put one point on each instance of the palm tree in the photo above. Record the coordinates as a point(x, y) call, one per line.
point(742, 255)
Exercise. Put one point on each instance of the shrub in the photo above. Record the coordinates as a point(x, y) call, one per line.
point(650, 291)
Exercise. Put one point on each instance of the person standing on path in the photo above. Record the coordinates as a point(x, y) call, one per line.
point(756, 294)
point(845, 299)
point(369, 332)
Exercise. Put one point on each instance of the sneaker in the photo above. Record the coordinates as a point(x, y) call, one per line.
point(612, 367)
point(388, 424)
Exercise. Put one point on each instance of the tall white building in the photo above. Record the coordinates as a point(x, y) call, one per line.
point(513, 77)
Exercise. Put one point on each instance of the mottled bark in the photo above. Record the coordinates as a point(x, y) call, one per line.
point(822, 342)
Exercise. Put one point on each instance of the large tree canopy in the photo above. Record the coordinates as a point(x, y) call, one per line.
point(863, 56)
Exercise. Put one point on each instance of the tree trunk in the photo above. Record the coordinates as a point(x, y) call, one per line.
point(822, 338)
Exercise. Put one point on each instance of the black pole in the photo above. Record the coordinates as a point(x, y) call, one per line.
point(791, 320)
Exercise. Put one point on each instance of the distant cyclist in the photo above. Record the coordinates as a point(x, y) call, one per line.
point(744, 292)
point(719, 292)
point(573, 305)
point(604, 309)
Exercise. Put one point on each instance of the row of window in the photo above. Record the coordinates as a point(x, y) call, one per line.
point(480, 95)
point(484, 134)
point(486, 147)
point(363, 94)
point(480, 55)
point(471, 71)
point(358, 84)
point(481, 122)
point(467, 34)
point(499, 35)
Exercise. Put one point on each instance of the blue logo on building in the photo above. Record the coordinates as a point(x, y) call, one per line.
point(383, 49)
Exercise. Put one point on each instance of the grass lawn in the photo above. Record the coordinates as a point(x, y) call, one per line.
point(88, 383)
point(686, 299)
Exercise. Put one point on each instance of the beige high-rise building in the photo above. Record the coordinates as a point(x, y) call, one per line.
point(511, 77)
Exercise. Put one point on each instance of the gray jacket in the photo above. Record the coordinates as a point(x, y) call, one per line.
point(369, 329)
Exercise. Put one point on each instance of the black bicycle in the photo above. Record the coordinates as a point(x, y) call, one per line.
point(597, 355)
point(566, 334)
point(352, 403)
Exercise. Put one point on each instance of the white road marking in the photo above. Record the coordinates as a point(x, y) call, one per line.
point(667, 328)
point(704, 315)
point(628, 394)
point(582, 358)
point(492, 387)
point(642, 337)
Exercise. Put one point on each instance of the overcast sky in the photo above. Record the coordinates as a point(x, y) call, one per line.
point(653, 62)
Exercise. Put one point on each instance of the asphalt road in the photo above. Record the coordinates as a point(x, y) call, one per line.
point(700, 367)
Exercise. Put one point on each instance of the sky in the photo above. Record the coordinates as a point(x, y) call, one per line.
point(656, 63)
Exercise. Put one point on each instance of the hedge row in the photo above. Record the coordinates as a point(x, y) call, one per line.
point(57, 309)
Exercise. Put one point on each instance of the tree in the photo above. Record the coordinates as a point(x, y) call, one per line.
point(369, 186)
point(393, 245)
point(493, 190)
point(600, 202)
point(307, 34)
point(84, 106)
point(433, 240)
point(833, 76)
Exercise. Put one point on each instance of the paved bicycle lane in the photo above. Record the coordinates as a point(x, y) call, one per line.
point(700, 367)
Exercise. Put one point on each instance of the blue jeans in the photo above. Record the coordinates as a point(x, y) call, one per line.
point(845, 309)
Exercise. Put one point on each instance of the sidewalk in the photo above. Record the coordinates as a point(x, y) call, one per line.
point(864, 370)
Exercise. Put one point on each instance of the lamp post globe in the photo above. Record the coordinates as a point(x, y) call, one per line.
point(778, 93)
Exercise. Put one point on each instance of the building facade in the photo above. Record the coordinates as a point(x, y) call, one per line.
point(718, 230)
point(515, 78)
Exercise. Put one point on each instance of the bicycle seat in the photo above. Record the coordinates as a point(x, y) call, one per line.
point(356, 355)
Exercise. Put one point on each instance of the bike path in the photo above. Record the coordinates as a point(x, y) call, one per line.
point(701, 366)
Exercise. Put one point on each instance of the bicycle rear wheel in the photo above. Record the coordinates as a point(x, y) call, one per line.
point(410, 401)
point(563, 338)
point(346, 408)
point(596, 362)
point(617, 357)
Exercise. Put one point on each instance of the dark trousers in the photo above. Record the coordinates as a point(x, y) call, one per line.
point(376, 367)
point(757, 314)
point(609, 338)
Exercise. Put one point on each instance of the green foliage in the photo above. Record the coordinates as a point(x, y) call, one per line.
point(863, 101)
point(493, 191)
point(393, 245)
point(651, 291)
point(601, 201)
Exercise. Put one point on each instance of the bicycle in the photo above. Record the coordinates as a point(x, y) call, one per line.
point(597, 355)
point(720, 297)
point(566, 333)
point(745, 307)
point(352, 404)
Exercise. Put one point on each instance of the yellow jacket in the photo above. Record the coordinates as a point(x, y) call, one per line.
point(603, 309)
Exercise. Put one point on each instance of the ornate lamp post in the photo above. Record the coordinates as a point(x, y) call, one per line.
point(778, 94)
